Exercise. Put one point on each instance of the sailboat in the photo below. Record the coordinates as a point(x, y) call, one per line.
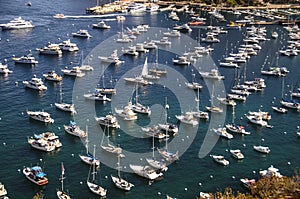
point(234, 127)
point(169, 156)
point(104, 90)
point(145, 72)
point(156, 163)
point(120, 182)
point(156, 70)
point(198, 113)
point(109, 147)
point(64, 106)
point(85, 67)
point(61, 194)
point(95, 188)
point(289, 103)
point(138, 107)
point(212, 108)
point(88, 158)
point(168, 126)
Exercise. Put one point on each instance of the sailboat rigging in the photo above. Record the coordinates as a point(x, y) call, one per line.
point(64, 106)
point(61, 194)
point(95, 188)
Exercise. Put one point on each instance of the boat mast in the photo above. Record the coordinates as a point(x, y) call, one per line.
point(153, 146)
point(87, 140)
point(233, 114)
point(136, 93)
point(62, 176)
point(94, 164)
point(167, 107)
point(198, 100)
point(119, 167)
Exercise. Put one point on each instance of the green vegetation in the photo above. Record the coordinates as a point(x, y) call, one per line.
point(274, 187)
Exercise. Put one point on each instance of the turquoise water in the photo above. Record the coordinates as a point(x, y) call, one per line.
point(190, 174)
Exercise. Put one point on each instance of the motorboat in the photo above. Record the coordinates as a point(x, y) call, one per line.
point(237, 154)
point(263, 114)
point(193, 85)
point(163, 41)
point(75, 130)
point(169, 156)
point(150, 45)
point(126, 113)
point(68, 46)
point(183, 28)
point(155, 131)
point(262, 149)
point(275, 71)
point(182, 60)
point(257, 120)
point(51, 49)
point(140, 48)
point(101, 25)
point(36, 175)
point(131, 51)
point(48, 137)
point(74, 71)
point(124, 39)
point(139, 108)
point(152, 8)
point(52, 76)
point(112, 59)
point(41, 144)
point(97, 96)
point(82, 33)
point(279, 109)
point(223, 133)
point(187, 118)
point(172, 33)
point(242, 92)
point(214, 109)
point(229, 64)
point(4, 69)
point(40, 116)
point(35, 83)
point(3, 191)
point(220, 159)
point(212, 75)
point(66, 107)
point(247, 183)
point(237, 129)
point(173, 15)
point(210, 39)
point(226, 101)
point(236, 97)
point(173, 128)
point(271, 172)
point(146, 171)
point(109, 121)
point(136, 8)
point(25, 59)
point(17, 23)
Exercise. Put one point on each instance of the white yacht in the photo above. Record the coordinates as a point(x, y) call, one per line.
point(226, 101)
point(75, 130)
point(101, 25)
point(214, 109)
point(48, 137)
point(237, 128)
point(210, 39)
point(140, 48)
point(220, 159)
point(262, 149)
point(229, 64)
point(270, 172)
point(75, 71)
point(51, 49)
point(187, 118)
point(112, 59)
point(66, 107)
point(247, 182)
point(172, 33)
point(279, 109)
point(25, 59)
point(257, 120)
point(35, 83)
point(212, 75)
point(97, 96)
point(17, 23)
point(136, 8)
point(150, 45)
point(41, 144)
point(40, 116)
point(223, 133)
point(193, 85)
point(290, 104)
point(126, 113)
point(182, 60)
point(4, 69)
point(52, 76)
point(169, 127)
point(140, 80)
point(237, 154)
point(68, 46)
point(109, 121)
point(152, 8)
point(164, 41)
point(82, 33)
point(146, 171)
point(131, 51)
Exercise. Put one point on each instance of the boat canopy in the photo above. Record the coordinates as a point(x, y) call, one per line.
point(40, 174)
point(36, 168)
point(72, 123)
